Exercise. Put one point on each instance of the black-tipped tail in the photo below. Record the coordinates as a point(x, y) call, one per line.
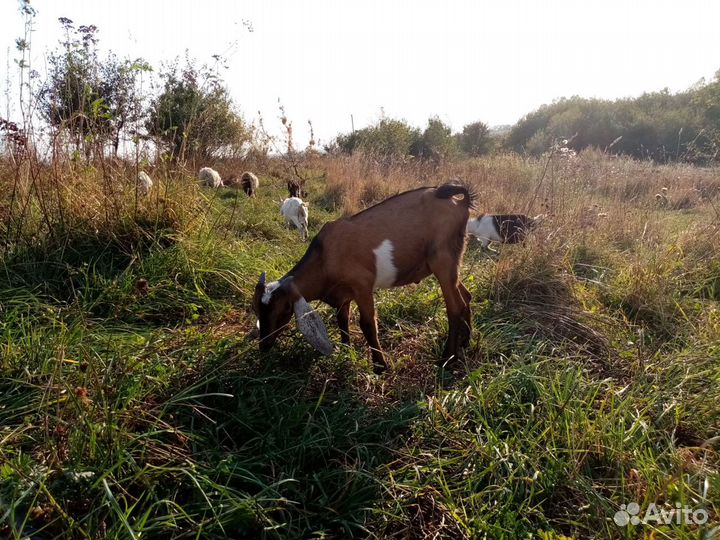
point(447, 191)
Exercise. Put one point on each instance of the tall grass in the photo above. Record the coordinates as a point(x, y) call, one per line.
point(133, 403)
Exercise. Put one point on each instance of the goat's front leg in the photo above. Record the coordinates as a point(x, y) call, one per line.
point(343, 322)
point(368, 324)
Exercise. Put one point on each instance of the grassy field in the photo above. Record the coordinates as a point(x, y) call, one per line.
point(133, 404)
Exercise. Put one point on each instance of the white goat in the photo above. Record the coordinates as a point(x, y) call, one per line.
point(144, 183)
point(210, 177)
point(295, 212)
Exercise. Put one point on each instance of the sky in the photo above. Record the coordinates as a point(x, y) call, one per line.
point(462, 61)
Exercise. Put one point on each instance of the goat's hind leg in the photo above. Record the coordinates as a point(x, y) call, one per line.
point(458, 309)
point(467, 314)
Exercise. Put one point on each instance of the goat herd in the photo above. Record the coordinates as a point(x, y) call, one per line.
point(293, 209)
point(398, 241)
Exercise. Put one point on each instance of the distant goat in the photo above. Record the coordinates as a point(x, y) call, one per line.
point(210, 177)
point(295, 189)
point(144, 183)
point(502, 228)
point(295, 212)
point(249, 183)
point(662, 198)
point(399, 241)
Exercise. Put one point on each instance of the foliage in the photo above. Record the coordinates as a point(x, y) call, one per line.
point(660, 125)
point(194, 116)
point(475, 139)
point(388, 138)
point(93, 99)
point(436, 143)
point(133, 404)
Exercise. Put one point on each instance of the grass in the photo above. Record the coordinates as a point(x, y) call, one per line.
point(133, 404)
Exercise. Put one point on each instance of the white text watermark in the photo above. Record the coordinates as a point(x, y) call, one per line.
point(631, 514)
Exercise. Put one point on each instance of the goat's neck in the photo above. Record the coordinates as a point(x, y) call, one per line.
point(309, 278)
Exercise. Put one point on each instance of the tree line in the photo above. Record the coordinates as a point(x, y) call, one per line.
point(91, 103)
point(661, 126)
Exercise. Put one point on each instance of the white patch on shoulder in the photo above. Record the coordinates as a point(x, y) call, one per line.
point(269, 289)
point(385, 271)
point(484, 229)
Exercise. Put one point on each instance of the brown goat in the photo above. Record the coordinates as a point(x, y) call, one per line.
point(399, 241)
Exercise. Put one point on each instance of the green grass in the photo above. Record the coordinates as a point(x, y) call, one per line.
point(592, 381)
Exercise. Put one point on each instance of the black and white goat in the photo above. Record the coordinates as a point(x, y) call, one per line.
point(249, 183)
point(295, 189)
point(502, 228)
point(399, 241)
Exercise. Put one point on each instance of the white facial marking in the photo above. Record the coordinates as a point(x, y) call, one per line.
point(385, 271)
point(269, 289)
point(484, 229)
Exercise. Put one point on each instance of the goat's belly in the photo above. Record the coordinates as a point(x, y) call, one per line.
point(416, 275)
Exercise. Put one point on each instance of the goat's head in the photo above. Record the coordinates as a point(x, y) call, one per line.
point(275, 303)
point(294, 189)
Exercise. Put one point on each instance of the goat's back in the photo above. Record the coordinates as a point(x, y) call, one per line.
point(418, 223)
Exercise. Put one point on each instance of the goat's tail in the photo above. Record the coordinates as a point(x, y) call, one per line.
point(447, 191)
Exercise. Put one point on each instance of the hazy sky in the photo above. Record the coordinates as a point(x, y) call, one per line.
point(461, 60)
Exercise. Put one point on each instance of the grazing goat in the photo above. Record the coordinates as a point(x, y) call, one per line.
point(295, 212)
point(144, 183)
point(502, 228)
point(249, 183)
point(399, 241)
point(295, 189)
point(210, 177)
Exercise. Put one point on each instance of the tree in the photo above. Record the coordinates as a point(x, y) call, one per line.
point(91, 99)
point(475, 139)
point(387, 138)
point(194, 116)
point(659, 125)
point(706, 101)
point(437, 142)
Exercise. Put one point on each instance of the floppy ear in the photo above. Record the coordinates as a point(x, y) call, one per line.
point(311, 326)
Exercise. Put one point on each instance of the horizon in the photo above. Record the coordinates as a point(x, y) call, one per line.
point(322, 67)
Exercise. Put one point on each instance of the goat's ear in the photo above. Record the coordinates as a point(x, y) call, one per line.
point(311, 326)
point(261, 281)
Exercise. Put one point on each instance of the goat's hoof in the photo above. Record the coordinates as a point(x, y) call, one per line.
point(379, 367)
